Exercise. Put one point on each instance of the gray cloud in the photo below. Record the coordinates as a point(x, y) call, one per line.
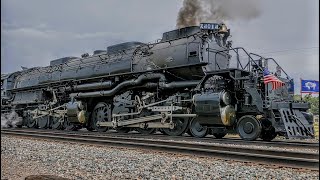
point(284, 27)
point(37, 31)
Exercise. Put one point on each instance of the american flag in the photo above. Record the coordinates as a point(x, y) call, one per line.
point(270, 78)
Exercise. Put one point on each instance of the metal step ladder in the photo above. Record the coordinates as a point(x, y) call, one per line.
point(296, 124)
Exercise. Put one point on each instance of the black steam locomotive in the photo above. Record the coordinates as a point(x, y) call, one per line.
point(192, 80)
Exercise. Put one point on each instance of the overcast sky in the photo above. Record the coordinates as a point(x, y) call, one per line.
point(34, 32)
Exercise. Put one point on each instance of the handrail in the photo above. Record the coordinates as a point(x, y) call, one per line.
point(288, 77)
point(238, 62)
point(250, 61)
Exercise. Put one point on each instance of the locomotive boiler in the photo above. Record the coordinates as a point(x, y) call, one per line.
point(192, 80)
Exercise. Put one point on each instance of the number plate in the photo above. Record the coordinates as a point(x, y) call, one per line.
point(210, 26)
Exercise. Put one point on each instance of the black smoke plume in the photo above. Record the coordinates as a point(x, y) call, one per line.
point(194, 12)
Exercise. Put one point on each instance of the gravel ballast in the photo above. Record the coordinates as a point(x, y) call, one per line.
point(21, 157)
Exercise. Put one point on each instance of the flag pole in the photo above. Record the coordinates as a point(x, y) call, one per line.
point(301, 88)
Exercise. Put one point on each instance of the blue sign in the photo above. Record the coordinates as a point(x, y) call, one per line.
point(291, 87)
point(309, 86)
point(210, 26)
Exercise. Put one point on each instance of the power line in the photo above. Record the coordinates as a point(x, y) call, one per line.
point(271, 52)
point(304, 53)
point(287, 50)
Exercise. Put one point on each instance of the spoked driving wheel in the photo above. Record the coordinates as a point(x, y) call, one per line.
point(31, 123)
point(188, 132)
point(249, 128)
point(56, 123)
point(146, 130)
point(197, 130)
point(161, 131)
point(100, 114)
point(118, 109)
point(180, 127)
point(43, 122)
point(122, 129)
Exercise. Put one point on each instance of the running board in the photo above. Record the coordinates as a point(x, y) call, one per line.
point(135, 121)
point(139, 120)
point(131, 121)
point(296, 124)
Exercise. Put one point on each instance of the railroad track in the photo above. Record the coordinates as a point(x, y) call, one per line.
point(227, 141)
point(238, 141)
point(305, 160)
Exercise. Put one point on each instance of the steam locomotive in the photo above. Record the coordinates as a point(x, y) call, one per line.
point(190, 81)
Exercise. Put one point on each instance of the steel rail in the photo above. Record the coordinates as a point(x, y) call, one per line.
point(236, 141)
point(262, 156)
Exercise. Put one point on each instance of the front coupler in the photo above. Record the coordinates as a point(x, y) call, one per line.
point(291, 119)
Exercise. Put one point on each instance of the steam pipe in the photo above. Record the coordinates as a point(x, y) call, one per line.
point(178, 84)
point(83, 87)
point(132, 82)
point(146, 85)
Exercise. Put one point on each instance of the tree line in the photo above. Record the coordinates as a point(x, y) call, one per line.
point(314, 101)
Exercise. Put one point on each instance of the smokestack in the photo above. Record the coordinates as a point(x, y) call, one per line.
point(193, 12)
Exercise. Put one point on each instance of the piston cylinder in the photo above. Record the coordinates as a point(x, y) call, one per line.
point(214, 108)
point(76, 112)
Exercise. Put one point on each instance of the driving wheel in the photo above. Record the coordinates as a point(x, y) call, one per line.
point(43, 122)
point(146, 130)
point(249, 128)
point(197, 130)
point(31, 123)
point(56, 123)
point(120, 109)
point(100, 114)
point(180, 127)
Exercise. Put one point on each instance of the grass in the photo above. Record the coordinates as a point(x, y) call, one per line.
point(316, 129)
point(315, 125)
